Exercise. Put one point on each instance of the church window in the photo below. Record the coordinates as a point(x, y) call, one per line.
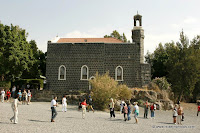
point(62, 73)
point(84, 72)
point(119, 73)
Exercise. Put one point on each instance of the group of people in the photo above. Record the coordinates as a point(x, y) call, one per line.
point(125, 108)
point(18, 97)
point(24, 97)
point(5, 95)
point(151, 107)
point(82, 105)
point(178, 114)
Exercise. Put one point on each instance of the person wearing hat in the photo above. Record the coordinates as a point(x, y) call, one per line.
point(136, 112)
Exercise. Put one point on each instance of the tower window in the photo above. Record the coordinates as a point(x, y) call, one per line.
point(62, 73)
point(84, 72)
point(119, 73)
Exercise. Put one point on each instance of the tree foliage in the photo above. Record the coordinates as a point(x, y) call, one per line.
point(115, 34)
point(17, 55)
point(179, 63)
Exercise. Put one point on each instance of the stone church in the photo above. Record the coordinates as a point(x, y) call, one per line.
point(72, 62)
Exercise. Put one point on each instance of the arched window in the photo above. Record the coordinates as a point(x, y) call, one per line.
point(90, 86)
point(84, 72)
point(119, 73)
point(62, 73)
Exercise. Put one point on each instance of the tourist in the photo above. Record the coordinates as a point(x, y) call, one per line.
point(15, 109)
point(84, 105)
point(180, 112)
point(129, 111)
point(64, 104)
point(90, 104)
point(146, 108)
point(29, 97)
point(136, 112)
point(8, 93)
point(13, 91)
point(2, 95)
point(121, 105)
point(175, 113)
point(79, 104)
point(152, 109)
point(125, 110)
point(53, 109)
point(198, 109)
point(24, 95)
point(20, 95)
point(112, 109)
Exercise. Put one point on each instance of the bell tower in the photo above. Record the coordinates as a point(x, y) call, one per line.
point(138, 35)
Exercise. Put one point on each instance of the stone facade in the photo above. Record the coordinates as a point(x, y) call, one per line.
point(98, 57)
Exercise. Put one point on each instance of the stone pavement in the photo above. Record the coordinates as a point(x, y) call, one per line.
point(35, 118)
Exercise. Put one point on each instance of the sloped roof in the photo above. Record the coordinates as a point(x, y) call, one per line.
point(89, 40)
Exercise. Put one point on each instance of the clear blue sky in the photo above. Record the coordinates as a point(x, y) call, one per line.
point(44, 19)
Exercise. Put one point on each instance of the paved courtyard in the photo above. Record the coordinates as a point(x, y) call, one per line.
point(36, 118)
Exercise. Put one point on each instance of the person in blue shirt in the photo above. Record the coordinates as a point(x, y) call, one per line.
point(20, 95)
point(129, 111)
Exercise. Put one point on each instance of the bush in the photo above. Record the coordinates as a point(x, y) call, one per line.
point(162, 83)
point(32, 82)
point(104, 87)
point(5, 84)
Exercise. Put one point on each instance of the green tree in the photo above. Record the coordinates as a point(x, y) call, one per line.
point(179, 63)
point(115, 34)
point(183, 66)
point(16, 54)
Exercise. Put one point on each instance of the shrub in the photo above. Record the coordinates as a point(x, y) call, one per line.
point(33, 82)
point(104, 87)
point(5, 84)
point(162, 83)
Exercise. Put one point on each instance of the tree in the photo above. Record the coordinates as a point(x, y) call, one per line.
point(183, 66)
point(18, 57)
point(179, 63)
point(157, 61)
point(16, 54)
point(115, 34)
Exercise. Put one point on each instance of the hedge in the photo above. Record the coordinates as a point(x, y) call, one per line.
point(34, 82)
point(5, 84)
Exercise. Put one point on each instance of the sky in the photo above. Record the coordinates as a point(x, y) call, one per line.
point(162, 20)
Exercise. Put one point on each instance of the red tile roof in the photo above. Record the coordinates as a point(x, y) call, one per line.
point(89, 40)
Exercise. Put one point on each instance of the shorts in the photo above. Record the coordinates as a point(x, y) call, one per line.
point(23, 98)
point(136, 114)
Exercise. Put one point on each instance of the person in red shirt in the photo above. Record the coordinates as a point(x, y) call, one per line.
point(84, 105)
point(198, 109)
point(8, 93)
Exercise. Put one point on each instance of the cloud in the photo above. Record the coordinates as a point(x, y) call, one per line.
point(187, 22)
point(79, 34)
point(190, 20)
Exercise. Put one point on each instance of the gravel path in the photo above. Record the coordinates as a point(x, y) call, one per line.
point(36, 118)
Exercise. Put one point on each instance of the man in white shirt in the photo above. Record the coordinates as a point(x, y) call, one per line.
point(15, 110)
point(53, 109)
point(2, 95)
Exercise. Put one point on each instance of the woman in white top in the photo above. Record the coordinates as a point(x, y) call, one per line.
point(136, 112)
point(2, 95)
point(64, 104)
point(112, 110)
point(29, 97)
